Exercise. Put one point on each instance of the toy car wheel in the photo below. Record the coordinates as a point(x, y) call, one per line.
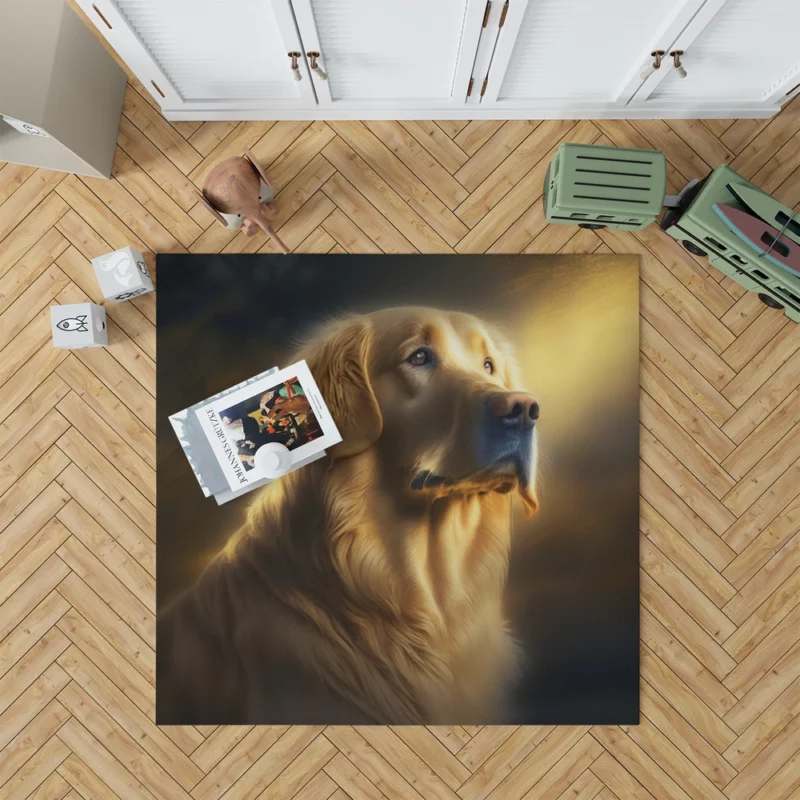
point(769, 301)
point(693, 248)
point(592, 226)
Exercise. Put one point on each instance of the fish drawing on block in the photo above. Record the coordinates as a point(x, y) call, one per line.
point(767, 241)
point(77, 324)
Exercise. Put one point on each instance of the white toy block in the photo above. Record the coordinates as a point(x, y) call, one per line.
point(78, 325)
point(122, 274)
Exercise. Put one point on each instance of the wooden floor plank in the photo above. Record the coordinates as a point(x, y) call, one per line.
point(680, 553)
point(26, 198)
point(417, 159)
point(31, 484)
point(765, 691)
point(476, 133)
point(30, 230)
point(97, 758)
point(685, 628)
point(297, 144)
point(30, 412)
point(80, 451)
point(31, 629)
point(88, 603)
point(685, 737)
point(774, 719)
point(119, 744)
point(500, 146)
point(706, 144)
point(31, 592)
point(152, 739)
point(645, 769)
point(432, 777)
point(113, 444)
point(108, 550)
point(84, 782)
point(109, 588)
point(437, 143)
point(104, 656)
point(347, 233)
point(30, 267)
point(37, 769)
point(686, 774)
point(618, 781)
point(764, 592)
point(152, 197)
point(394, 183)
point(762, 402)
point(144, 153)
point(159, 131)
point(12, 176)
point(509, 172)
point(28, 531)
point(209, 135)
point(377, 228)
point(503, 762)
point(235, 763)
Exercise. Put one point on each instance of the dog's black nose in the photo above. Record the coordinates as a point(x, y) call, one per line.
point(514, 409)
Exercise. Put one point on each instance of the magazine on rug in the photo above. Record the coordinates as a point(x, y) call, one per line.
point(283, 407)
point(197, 449)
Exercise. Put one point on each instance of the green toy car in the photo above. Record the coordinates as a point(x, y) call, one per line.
point(593, 186)
point(605, 187)
point(702, 232)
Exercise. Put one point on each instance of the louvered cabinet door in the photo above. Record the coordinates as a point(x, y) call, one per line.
point(734, 52)
point(208, 55)
point(390, 54)
point(577, 55)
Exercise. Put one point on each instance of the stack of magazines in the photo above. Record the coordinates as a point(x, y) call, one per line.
point(225, 436)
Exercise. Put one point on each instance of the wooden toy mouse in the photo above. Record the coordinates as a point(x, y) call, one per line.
point(234, 188)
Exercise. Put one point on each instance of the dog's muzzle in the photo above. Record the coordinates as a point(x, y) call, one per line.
point(504, 447)
point(505, 433)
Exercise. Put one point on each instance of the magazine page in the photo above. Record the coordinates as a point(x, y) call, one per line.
point(226, 495)
point(286, 407)
point(196, 446)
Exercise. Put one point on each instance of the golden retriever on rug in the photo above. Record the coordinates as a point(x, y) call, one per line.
point(368, 587)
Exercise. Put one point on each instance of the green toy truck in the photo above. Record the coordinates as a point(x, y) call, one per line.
point(702, 232)
point(608, 187)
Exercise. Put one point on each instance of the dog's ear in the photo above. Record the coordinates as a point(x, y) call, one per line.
point(340, 366)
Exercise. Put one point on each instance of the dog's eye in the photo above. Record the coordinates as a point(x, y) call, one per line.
point(488, 365)
point(420, 357)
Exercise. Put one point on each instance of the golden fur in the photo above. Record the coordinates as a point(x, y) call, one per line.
point(346, 597)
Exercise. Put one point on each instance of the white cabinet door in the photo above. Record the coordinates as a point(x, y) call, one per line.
point(578, 55)
point(390, 54)
point(208, 55)
point(735, 52)
point(426, 59)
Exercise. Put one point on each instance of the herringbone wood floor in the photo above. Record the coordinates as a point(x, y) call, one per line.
point(720, 471)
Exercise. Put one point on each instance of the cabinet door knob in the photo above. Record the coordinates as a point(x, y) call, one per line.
point(676, 60)
point(657, 56)
point(313, 56)
point(294, 65)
